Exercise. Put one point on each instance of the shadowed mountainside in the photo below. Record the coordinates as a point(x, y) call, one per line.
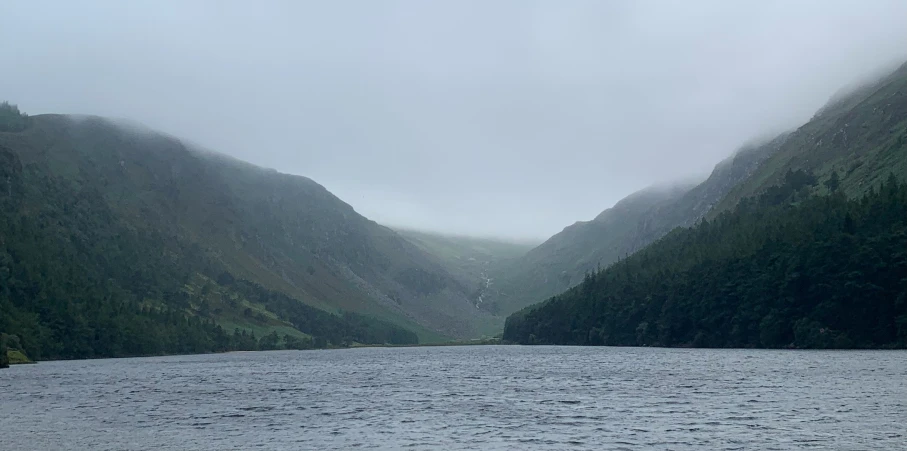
point(215, 215)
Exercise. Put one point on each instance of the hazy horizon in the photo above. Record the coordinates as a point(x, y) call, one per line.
point(504, 120)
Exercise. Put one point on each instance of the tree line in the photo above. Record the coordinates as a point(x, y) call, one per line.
point(11, 119)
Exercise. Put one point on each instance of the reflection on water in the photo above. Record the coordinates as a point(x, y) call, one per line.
point(501, 397)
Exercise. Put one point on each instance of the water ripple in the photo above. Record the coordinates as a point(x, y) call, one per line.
point(495, 398)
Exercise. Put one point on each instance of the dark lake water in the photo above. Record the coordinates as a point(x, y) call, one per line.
point(450, 398)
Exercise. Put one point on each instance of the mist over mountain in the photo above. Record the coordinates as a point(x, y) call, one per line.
point(383, 180)
point(565, 259)
point(804, 248)
point(112, 227)
point(98, 216)
point(402, 224)
point(540, 115)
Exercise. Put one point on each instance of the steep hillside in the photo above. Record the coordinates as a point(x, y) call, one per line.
point(787, 269)
point(851, 143)
point(77, 281)
point(562, 260)
point(636, 221)
point(859, 135)
point(807, 250)
point(207, 222)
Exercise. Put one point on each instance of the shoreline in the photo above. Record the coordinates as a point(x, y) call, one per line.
point(477, 342)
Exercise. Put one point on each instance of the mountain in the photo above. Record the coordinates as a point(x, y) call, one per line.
point(859, 135)
point(633, 223)
point(807, 249)
point(795, 270)
point(175, 233)
point(562, 260)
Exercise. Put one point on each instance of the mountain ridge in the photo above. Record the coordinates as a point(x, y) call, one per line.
point(794, 254)
point(858, 135)
point(263, 247)
point(287, 233)
point(635, 221)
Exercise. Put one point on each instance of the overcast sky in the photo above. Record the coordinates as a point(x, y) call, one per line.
point(506, 118)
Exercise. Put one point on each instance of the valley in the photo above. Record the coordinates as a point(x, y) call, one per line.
point(120, 240)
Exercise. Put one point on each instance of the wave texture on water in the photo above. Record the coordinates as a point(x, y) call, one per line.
point(452, 398)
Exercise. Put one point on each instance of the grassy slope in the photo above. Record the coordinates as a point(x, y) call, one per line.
point(16, 357)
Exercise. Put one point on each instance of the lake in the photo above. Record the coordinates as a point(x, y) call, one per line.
point(471, 397)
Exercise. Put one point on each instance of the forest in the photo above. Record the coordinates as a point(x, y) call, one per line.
point(785, 269)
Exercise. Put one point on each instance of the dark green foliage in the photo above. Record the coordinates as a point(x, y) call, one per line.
point(291, 342)
point(243, 340)
point(4, 357)
point(76, 284)
point(780, 270)
point(269, 342)
point(11, 119)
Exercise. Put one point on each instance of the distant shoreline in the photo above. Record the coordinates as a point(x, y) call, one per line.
point(477, 342)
